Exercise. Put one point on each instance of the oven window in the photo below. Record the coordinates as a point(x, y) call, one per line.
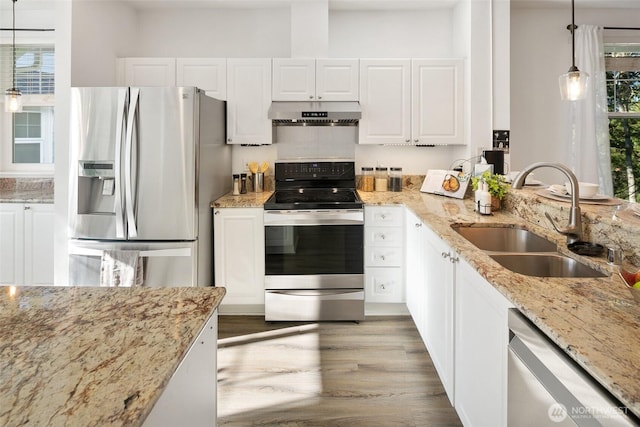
point(318, 249)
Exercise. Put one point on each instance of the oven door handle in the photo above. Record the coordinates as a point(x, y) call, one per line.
point(303, 217)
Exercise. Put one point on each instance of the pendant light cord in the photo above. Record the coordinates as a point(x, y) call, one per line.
point(573, 34)
point(14, 43)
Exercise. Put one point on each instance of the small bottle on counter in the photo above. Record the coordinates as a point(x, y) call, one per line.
point(243, 183)
point(236, 184)
point(367, 179)
point(382, 178)
point(395, 179)
point(483, 199)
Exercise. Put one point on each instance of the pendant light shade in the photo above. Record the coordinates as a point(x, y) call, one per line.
point(573, 84)
point(13, 96)
point(12, 100)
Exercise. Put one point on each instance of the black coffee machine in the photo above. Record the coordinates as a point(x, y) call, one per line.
point(495, 158)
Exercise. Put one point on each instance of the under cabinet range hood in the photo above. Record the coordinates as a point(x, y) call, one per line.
point(315, 113)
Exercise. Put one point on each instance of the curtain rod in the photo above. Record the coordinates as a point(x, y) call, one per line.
point(28, 29)
point(611, 28)
point(621, 28)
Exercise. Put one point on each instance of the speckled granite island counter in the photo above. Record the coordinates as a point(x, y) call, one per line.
point(94, 356)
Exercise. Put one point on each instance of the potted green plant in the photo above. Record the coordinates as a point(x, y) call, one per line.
point(497, 187)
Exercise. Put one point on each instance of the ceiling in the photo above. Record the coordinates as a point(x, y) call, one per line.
point(333, 4)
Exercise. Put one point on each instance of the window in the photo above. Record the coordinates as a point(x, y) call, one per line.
point(30, 132)
point(623, 93)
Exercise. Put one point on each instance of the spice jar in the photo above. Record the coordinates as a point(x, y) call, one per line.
point(367, 179)
point(236, 184)
point(395, 179)
point(243, 183)
point(381, 178)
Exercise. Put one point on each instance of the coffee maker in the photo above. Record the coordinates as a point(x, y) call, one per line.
point(495, 158)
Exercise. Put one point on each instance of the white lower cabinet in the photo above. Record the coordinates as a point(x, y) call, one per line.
point(238, 245)
point(462, 320)
point(481, 339)
point(190, 397)
point(26, 243)
point(383, 254)
point(430, 273)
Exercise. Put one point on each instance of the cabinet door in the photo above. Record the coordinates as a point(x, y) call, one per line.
point(415, 270)
point(481, 339)
point(337, 79)
point(248, 101)
point(208, 74)
point(239, 254)
point(439, 275)
point(437, 109)
point(11, 244)
point(149, 72)
point(385, 98)
point(38, 244)
point(294, 79)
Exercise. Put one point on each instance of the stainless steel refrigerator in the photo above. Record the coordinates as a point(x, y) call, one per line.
point(145, 164)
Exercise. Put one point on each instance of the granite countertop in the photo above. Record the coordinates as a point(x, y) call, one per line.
point(93, 356)
point(248, 200)
point(595, 320)
point(26, 190)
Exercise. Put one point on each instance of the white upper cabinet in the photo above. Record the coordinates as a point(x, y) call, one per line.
point(148, 72)
point(248, 101)
point(315, 80)
point(385, 98)
point(437, 109)
point(208, 74)
point(412, 101)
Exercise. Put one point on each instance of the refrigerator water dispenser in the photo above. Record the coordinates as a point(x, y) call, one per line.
point(96, 188)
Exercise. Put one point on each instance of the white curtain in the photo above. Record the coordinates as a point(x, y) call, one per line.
point(588, 127)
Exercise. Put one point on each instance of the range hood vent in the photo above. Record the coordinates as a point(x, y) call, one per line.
point(315, 113)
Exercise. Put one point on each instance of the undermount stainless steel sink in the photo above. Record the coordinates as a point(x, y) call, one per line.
point(522, 251)
point(505, 239)
point(545, 265)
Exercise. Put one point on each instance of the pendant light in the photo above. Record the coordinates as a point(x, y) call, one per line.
point(13, 96)
point(573, 84)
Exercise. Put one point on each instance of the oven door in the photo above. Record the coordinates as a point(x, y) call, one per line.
point(314, 249)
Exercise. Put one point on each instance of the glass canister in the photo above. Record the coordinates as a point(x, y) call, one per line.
point(367, 179)
point(395, 179)
point(382, 178)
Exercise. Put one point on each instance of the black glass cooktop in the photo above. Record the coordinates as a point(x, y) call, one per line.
point(314, 198)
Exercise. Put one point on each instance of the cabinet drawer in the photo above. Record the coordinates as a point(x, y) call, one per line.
point(383, 216)
point(383, 236)
point(383, 257)
point(384, 284)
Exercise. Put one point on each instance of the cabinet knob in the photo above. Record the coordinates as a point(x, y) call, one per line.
point(216, 212)
point(445, 254)
point(26, 208)
point(418, 224)
point(407, 140)
point(416, 140)
point(319, 97)
point(454, 259)
point(310, 96)
point(229, 140)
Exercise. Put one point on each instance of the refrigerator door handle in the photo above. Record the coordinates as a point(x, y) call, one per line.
point(132, 125)
point(174, 252)
point(120, 124)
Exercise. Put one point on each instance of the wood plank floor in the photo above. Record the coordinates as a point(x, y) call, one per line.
point(375, 373)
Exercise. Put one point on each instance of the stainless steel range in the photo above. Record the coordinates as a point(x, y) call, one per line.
point(314, 243)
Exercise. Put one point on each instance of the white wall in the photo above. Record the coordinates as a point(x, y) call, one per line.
point(234, 33)
point(102, 31)
point(540, 52)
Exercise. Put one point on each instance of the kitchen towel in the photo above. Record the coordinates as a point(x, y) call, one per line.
point(121, 269)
